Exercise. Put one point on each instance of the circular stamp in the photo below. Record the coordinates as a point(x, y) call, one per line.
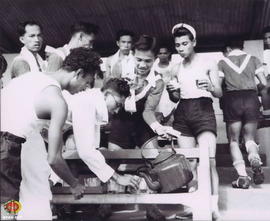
point(12, 207)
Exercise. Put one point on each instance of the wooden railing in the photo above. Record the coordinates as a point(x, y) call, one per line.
point(198, 200)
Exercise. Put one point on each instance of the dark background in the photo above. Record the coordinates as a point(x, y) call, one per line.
point(214, 20)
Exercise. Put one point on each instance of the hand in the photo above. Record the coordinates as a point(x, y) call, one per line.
point(173, 85)
point(77, 191)
point(162, 131)
point(205, 84)
point(128, 180)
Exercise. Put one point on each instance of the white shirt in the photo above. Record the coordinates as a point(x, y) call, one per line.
point(198, 69)
point(87, 111)
point(18, 115)
point(266, 58)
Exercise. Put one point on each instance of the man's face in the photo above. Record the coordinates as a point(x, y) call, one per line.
point(86, 40)
point(266, 39)
point(144, 61)
point(125, 44)
point(163, 55)
point(114, 101)
point(184, 46)
point(32, 39)
point(80, 83)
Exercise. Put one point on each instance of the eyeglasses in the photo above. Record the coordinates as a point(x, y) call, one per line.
point(117, 103)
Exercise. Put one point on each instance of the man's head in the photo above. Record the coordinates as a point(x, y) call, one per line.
point(266, 37)
point(30, 33)
point(164, 53)
point(85, 64)
point(232, 44)
point(184, 39)
point(145, 51)
point(124, 40)
point(84, 34)
point(115, 91)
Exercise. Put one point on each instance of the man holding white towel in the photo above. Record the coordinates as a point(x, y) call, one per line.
point(30, 33)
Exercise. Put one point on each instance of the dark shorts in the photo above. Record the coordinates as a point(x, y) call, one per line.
point(241, 106)
point(10, 173)
point(194, 116)
point(129, 130)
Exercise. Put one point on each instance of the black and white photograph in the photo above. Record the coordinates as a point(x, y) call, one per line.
point(135, 110)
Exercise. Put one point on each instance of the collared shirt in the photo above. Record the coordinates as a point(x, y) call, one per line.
point(26, 61)
point(266, 59)
point(239, 70)
point(87, 111)
point(124, 67)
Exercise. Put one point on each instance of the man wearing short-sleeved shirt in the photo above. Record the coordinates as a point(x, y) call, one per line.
point(242, 109)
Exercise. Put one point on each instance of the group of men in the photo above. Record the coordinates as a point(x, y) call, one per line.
point(60, 90)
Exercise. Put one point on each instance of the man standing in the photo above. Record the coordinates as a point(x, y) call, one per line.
point(83, 34)
point(241, 109)
point(121, 64)
point(29, 100)
point(197, 78)
point(131, 130)
point(30, 33)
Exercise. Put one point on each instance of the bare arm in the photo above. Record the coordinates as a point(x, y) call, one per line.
point(52, 103)
point(19, 67)
point(216, 89)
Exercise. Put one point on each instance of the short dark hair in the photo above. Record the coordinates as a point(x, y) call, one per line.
point(146, 43)
point(83, 58)
point(123, 32)
point(85, 27)
point(234, 43)
point(179, 32)
point(22, 25)
point(119, 85)
point(3, 65)
point(266, 29)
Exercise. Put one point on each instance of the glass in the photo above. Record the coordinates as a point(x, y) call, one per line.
point(117, 103)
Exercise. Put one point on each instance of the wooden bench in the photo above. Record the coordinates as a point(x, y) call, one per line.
point(198, 200)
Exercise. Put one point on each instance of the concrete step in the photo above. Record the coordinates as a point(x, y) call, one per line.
point(243, 204)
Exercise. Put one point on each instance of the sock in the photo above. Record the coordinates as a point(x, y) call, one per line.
point(240, 167)
point(253, 156)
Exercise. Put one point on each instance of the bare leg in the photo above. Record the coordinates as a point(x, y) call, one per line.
point(189, 142)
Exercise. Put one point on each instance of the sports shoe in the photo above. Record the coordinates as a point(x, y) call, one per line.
point(242, 182)
point(258, 176)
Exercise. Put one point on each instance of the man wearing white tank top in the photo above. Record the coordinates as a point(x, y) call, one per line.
point(196, 80)
point(26, 103)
